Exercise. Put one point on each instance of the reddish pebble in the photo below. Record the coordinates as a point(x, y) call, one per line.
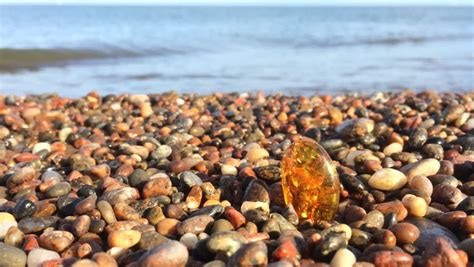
point(30, 243)
point(53, 263)
point(406, 233)
point(441, 253)
point(392, 258)
point(160, 186)
point(395, 206)
point(234, 216)
point(287, 250)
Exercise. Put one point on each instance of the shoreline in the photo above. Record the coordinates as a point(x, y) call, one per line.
point(183, 179)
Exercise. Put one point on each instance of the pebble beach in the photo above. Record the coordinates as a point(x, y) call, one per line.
point(195, 180)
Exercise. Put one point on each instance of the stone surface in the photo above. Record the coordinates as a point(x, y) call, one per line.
point(195, 225)
point(441, 253)
point(6, 221)
point(37, 256)
point(393, 148)
point(468, 246)
point(424, 167)
point(123, 238)
point(167, 227)
point(56, 240)
point(429, 231)
point(14, 237)
point(387, 179)
point(252, 254)
point(309, 180)
point(406, 233)
point(225, 242)
point(343, 258)
point(11, 256)
point(416, 206)
point(170, 253)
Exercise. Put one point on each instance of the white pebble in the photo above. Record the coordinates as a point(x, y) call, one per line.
point(39, 255)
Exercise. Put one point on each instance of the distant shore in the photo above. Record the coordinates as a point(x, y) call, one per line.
point(195, 180)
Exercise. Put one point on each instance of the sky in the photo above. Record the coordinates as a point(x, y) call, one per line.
point(251, 2)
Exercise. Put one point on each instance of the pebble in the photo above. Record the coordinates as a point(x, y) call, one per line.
point(170, 253)
point(357, 127)
point(268, 173)
point(104, 260)
point(14, 237)
point(11, 256)
point(406, 233)
point(416, 206)
point(385, 237)
point(58, 190)
point(126, 194)
point(343, 258)
point(225, 242)
point(160, 186)
point(33, 225)
point(86, 205)
point(354, 213)
point(388, 258)
point(467, 245)
point(123, 238)
point(37, 256)
point(24, 208)
point(255, 154)
point(360, 239)
point(6, 221)
point(452, 219)
point(429, 231)
point(168, 227)
point(106, 211)
point(56, 240)
point(343, 229)
point(221, 225)
point(228, 170)
point(387, 179)
point(215, 263)
point(41, 146)
point(329, 246)
point(374, 219)
point(286, 250)
point(138, 177)
point(433, 151)
point(441, 253)
point(194, 225)
point(189, 179)
point(252, 254)
point(235, 217)
point(189, 240)
point(162, 152)
point(254, 205)
point(426, 167)
point(466, 205)
point(393, 148)
point(447, 194)
point(395, 206)
point(81, 225)
point(256, 192)
point(422, 184)
point(150, 239)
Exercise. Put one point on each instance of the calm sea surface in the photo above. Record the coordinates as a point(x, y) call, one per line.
point(296, 50)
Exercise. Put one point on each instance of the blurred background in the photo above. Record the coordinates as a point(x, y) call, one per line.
point(296, 47)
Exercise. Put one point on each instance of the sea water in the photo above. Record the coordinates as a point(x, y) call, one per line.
point(197, 49)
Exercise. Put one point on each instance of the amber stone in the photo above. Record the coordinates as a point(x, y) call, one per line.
point(310, 181)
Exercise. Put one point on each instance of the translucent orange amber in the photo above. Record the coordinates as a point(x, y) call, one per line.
point(310, 181)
